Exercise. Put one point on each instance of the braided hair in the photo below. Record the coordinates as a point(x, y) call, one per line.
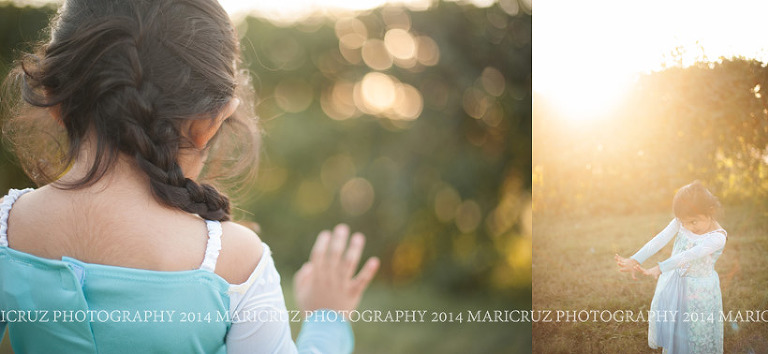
point(128, 74)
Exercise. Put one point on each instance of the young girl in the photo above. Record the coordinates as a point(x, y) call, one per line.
point(128, 251)
point(687, 304)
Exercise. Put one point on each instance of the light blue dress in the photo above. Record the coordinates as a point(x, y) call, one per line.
point(69, 306)
point(685, 315)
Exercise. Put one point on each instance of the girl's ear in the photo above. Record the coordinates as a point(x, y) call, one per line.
point(201, 131)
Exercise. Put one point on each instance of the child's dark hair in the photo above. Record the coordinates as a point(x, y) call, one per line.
point(127, 74)
point(695, 199)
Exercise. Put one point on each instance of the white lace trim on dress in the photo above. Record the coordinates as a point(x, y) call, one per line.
point(213, 247)
point(5, 209)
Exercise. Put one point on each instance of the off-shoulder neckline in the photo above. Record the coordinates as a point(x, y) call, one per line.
point(214, 234)
point(105, 269)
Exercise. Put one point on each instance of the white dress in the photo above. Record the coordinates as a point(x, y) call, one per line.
point(687, 305)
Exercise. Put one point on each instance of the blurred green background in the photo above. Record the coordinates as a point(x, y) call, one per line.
point(414, 127)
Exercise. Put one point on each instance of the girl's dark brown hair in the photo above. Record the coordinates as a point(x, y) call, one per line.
point(127, 75)
point(695, 199)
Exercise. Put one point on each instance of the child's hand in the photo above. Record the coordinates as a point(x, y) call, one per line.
point(326, 281)
point(626, 264)
point(654, 272)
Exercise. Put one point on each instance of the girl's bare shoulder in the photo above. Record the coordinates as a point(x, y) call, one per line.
point(241, 251)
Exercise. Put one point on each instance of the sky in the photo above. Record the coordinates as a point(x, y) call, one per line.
point(586, 54)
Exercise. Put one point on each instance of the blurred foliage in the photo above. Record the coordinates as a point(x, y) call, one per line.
point(412, 126)
point(708, 121)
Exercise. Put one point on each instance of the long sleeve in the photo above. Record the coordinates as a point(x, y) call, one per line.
point(708, 245)
point(260, 320)
point(325, 331)
point(658, 242)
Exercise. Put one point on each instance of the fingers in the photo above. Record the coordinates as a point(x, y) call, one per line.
point(638, 268)
point(352, 257)
point(317, 257)
point(621, 261)
point(330, 246)
point(303, 273)
point(327, 255)
point(629, 269)
point(338, 244)
point(361, 281)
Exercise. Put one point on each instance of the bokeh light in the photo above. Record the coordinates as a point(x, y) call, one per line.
point(377, 91)
point(428, 52)
point(351, 32)
point(447, 201)
point(493, 81)
point(400, 44)
point(357, 196)
point(376, 55)
point(398, 122)
point(408, 102)
point(338, 102)
point(475, 102)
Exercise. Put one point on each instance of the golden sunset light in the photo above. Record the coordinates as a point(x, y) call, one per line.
point(400, 128)
point(587, 53)
point(637, 104)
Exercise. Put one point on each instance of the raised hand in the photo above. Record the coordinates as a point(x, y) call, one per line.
point(328, 280)
point(653, 272)
point(626, 264)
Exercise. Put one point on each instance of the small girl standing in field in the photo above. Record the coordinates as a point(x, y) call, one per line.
point(124, 248)
point(687, 303)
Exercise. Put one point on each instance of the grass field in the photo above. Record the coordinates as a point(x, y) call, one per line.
point(573, 269)
point(427, 336)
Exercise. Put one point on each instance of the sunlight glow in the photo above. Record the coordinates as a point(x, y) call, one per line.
point(351, 32)
point(400, 44)
point(378, 91)
point(289, 11)
point(586, 55)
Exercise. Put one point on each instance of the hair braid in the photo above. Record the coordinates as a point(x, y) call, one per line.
point(151, 139)
point(128, 74)
point(155, 148)
point(158, 160)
